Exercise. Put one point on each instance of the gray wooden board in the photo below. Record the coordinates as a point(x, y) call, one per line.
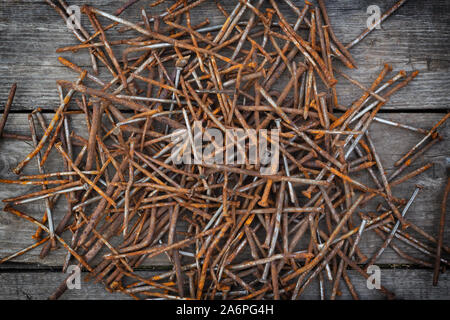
point(405, 283)
point(415, 37)
point(390, 142)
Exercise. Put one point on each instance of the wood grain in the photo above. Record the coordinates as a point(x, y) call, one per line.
point(406, 284)
point(391, 143)
point(414, 38)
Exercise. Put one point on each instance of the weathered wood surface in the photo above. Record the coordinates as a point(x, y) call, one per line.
point(406, 284)
point(391, 143)
point(414, 38)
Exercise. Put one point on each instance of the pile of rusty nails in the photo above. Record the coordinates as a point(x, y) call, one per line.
point(228, 231)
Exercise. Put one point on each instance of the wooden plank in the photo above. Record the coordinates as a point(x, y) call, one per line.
point(405, 283)
point(40, 285)
point(10, 154)
point(413, 38)
point(390, 142)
